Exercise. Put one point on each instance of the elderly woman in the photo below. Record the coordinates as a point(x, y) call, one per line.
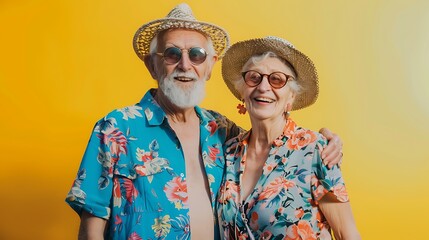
point(275, 185)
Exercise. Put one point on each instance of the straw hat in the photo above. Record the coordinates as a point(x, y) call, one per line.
point(238, 54)
point(180, 17)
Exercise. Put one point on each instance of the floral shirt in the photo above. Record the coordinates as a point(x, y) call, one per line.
point(133, 171)
point(284, 202)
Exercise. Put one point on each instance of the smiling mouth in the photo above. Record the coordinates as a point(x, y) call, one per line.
point(184, 79)
point(264, 100)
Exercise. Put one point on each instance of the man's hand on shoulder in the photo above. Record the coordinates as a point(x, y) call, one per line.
point(333, 153)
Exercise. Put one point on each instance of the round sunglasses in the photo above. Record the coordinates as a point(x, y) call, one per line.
point(276, 79)
point(172, 55)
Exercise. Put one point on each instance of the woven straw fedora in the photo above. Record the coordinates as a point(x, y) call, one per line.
point(238, 54)
point(180, 17)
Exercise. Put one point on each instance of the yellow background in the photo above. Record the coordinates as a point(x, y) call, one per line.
point(64, 64)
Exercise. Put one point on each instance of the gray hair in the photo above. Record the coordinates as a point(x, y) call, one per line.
point(154, 44)
point(239, 84)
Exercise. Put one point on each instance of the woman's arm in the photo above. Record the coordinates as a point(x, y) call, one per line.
point(340, 217)
point(91, 227)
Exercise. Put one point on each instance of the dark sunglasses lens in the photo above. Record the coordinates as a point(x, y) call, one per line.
point(197, 55)
point(172, 55)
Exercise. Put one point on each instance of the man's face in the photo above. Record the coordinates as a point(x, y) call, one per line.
point(183, 83)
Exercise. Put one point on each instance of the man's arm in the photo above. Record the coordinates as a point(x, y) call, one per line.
point(232, 130)
point(91, 227)
point(333, 153)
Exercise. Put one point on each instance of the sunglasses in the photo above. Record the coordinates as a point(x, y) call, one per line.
point(276, 79)
point(172, 55)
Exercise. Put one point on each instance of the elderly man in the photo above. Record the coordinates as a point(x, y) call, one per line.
point(153, 170)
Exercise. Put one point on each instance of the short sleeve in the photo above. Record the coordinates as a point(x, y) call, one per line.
point(323, 179)
point(92, 189)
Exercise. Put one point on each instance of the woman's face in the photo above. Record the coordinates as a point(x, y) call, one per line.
point(263, 101)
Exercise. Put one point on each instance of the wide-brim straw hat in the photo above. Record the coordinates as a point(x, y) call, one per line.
point(180, 17)
point(239, 53)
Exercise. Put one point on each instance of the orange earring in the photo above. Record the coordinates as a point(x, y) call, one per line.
point(241, 108)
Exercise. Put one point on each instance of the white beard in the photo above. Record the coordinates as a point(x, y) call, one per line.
point(183, 96)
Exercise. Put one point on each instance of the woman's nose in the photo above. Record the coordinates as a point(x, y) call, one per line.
point(264, 85)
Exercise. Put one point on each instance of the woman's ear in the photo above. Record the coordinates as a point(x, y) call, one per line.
point(149, 62)
point(288, 107)
point(291, 100)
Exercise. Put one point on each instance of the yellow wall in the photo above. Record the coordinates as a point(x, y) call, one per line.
point(64, 64)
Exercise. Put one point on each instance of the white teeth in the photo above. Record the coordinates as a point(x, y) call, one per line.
point(262, 99)
point(184, 79)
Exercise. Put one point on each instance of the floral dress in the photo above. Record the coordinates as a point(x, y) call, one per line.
point(284, 202)
point(133, 171)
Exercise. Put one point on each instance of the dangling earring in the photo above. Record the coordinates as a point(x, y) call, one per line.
point(241, 108)
point(287, 112)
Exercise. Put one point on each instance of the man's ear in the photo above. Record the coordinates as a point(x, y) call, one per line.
point(148, 61)
point(214, 60)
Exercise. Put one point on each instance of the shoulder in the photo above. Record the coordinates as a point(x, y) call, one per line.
point(121, 116)
point(133, 111)
point(127, 112)
point(221, 120)
point(320, 141)
point(211, 114)
point(228, 126)
point(301, 137)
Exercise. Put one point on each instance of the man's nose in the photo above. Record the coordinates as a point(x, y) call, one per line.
point(185, 63)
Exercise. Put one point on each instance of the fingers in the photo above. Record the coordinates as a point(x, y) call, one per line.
point(326, 133)
point(334, 143)
point(332, 154)
point(333, 159)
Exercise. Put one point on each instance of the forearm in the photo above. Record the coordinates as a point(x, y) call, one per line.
point(346, 230)
point(91, 227)
point(340, 218)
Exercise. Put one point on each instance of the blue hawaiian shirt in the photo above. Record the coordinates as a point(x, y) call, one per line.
point(133, 171)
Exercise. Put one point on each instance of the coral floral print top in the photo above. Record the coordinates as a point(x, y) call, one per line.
point(284, 202)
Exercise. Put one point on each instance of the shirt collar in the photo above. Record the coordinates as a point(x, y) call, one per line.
point(155, 115)
point(288, 130)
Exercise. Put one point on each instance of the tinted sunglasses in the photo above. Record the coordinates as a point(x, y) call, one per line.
point(172, 55)
point(276, 79)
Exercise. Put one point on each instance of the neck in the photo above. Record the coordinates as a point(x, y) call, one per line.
point(264, 132)
point(174, 113)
